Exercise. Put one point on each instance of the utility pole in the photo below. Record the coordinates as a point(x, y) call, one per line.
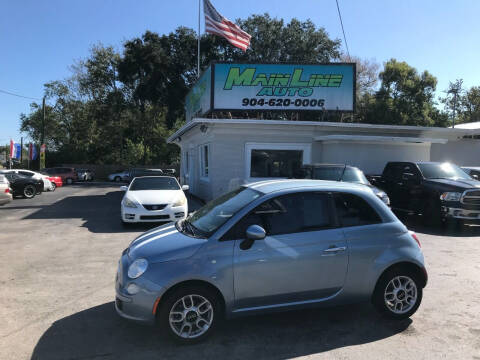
point(454, 107)
point(198, 41)
point(42, 137)
point(21, 151)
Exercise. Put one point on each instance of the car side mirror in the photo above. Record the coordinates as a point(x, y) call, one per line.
point(253, 233)
point(475, 177)
point(124, 188)
point(185, 187)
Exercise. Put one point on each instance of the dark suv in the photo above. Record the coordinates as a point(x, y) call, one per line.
point(136, 172)
point(339, 172)
point(68, 175)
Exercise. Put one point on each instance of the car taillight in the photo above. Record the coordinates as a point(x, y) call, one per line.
point(7, 191)
point(415, 237)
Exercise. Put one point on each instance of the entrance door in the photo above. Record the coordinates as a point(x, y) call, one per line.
point(303, 257)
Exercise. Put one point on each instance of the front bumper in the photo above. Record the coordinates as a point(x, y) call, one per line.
point(460, 213)
point(140, 214)
point(139, 307)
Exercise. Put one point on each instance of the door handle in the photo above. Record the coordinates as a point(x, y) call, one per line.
point(335, 249)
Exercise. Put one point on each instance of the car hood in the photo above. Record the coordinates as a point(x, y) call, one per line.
point(154, 196)
point(164, 243)
point(459, 184)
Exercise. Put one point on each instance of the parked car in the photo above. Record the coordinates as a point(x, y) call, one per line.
point(133, 173)
point(270, 246)
point(68, 175)
point(473, 171)
point(153, 199)
point(47, 185)
point(119, 175)
point(27, 187)
point(5, 192)
point(340, 172)
point(85, 175)
point(438, 191)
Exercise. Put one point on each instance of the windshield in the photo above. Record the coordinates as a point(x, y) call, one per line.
point(328, 173)
point(354, 175)
point(154, 183)
point(443, 171)
point(214, 214)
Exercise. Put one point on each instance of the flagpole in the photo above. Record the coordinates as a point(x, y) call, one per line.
point(198, 42)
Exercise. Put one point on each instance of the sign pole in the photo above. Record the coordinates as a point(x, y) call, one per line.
point(198, 42)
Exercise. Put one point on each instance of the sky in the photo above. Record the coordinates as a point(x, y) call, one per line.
point(40, 40)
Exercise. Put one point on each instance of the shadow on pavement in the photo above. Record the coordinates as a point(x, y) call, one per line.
point(416, 224)
point(99, 333)
point(101, 213)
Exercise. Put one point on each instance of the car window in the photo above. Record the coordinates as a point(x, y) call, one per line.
point(352, 210)
point(354, 175)
point(26, 173)
point(154, 183)
point(287, 214)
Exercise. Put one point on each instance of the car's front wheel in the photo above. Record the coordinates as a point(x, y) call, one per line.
point(54, 186)
point(29, 191)
point(190, 314)
point(398, 294)
point(117, 179)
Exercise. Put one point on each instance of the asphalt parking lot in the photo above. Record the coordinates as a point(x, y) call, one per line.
point(58, 257)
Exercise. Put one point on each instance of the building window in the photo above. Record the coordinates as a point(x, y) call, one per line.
point(204, 152)
point(267, 163)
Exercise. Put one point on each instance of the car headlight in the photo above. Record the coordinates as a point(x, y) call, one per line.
point(137, 268)
point(129, 203)
point(180, 201)
point(451, 196)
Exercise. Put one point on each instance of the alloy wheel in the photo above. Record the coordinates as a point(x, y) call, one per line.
point(400, 294)
point(191, 316)
point(29, 191)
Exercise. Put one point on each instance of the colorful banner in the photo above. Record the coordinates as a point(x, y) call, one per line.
point(32, 152)
point(293, 87)
point(15, 150)
point(42, 156)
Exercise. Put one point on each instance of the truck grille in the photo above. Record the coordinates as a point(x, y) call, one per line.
point(471, 197)
point(155, 207)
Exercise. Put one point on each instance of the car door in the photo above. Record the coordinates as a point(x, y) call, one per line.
point(304, 256)
point(409, 190)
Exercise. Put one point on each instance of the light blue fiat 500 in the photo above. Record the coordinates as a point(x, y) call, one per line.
point(270, 246)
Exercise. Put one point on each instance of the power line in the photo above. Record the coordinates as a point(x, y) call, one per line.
point(343, 30)
point(25, 97)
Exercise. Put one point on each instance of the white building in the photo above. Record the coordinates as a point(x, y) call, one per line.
point(218, 155)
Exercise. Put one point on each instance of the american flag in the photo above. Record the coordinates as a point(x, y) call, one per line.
point(218, 25)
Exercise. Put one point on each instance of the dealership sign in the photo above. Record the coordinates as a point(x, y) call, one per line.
point(285, 87)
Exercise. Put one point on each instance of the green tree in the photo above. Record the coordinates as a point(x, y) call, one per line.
point(405, 97)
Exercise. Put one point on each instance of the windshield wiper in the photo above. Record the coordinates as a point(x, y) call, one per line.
point(192, 229)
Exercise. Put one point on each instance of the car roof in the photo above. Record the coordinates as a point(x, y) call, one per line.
point(155, 176)
point(471, 167)
point(269, 186)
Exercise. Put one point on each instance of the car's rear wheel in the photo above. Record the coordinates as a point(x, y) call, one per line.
point(69, 181)
point(54, 186)
point(118, 179)
point(398, 294)
point(29, 191)
point(190, 314)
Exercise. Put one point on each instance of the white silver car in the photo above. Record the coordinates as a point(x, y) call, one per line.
point(5, 192)
point(47, 184)
point(154, 199)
